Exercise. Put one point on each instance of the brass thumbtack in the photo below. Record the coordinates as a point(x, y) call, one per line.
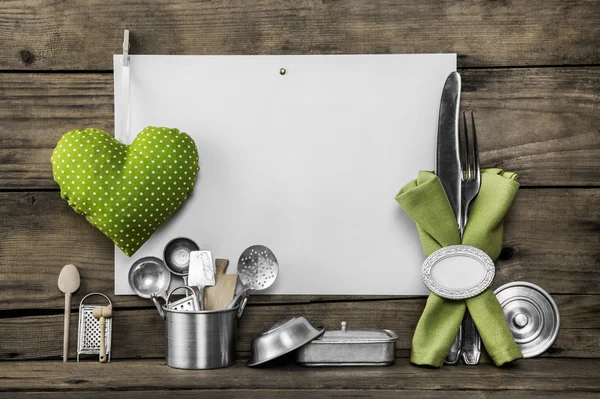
point(282, 71)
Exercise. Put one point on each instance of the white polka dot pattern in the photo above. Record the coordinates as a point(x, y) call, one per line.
point(126, 191)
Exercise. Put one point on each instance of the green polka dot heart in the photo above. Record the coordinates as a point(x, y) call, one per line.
point(126, 191)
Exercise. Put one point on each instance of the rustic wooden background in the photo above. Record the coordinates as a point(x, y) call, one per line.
point(530, 71)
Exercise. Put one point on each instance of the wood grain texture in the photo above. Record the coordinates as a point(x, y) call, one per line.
point(551, 239)
point(559, 375)
point(139, 333)
point(232, 393)
point(542, 123)
point(70, 35)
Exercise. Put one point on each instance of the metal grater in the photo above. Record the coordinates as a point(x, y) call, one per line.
point(186, 304)
point(88, 337)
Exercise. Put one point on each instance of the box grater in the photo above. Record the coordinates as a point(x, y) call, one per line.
point(186, 304)
point(88, 337)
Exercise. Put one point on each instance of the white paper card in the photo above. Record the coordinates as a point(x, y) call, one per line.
point(307, 163)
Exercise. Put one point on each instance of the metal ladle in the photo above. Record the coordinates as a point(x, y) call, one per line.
point(149, 278)
point(257, 270)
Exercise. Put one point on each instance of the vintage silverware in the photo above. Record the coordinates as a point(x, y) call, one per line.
point(350, 348)
point(257, 270)
point(471, 176)
point(149, 278)
point(532, 316)
point(88, 329)
point(447, 163)
point(201, 273)
point(281, 338)
point(471, 341)
point(471, 182)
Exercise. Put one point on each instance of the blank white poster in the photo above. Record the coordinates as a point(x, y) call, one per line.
point(306, 163)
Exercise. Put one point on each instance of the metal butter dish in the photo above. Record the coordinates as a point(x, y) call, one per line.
point(350, 348)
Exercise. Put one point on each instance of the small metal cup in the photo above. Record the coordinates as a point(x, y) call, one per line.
point(177, 256)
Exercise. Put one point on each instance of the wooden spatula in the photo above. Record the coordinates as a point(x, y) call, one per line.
point(219, 296)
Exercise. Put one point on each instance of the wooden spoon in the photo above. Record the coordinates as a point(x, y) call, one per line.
point(219, 296)
point(68, 282)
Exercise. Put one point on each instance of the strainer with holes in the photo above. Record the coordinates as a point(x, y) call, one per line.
point(257, 270)
point(88, 337)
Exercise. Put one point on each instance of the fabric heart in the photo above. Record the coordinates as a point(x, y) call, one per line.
point(126, 191)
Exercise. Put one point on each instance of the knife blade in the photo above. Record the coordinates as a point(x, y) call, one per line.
point(447, 160)
point(448, 168)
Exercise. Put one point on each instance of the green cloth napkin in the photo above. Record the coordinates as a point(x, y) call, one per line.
point(425, 201)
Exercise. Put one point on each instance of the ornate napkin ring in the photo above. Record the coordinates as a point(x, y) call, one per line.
point(458, 272)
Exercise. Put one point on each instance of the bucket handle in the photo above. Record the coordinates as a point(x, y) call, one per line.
point(244, 300)
point(155, 298)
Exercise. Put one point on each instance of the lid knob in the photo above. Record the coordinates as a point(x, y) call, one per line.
point(521, 320)
point(344, 325)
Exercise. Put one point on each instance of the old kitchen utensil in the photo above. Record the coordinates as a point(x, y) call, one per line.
point(149, 278)
point(68, 282)
point(218, 296)
point(532, 316)
point(447, 163)
point(350, 348)
point(470, 185)
point(200, 339)
point(186, 304)
point(257, 270)
point(281, 338)
point(102, 313)
point(471, 177)
point(458, 272)
point(201, 272)
point(88, 330)
point(471, 341)
point(177, 256)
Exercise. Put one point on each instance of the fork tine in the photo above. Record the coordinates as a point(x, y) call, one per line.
point(476, 167)
point(467, 152)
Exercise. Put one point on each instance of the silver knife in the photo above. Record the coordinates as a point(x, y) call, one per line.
point(448, 168)
point(447, 160)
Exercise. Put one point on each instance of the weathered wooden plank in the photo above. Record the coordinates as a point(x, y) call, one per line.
point(541, 123)
point(59, 35)
point(307, 393)
point(139, 333)
point(551, 239)
point(35, 110)
point(558, 375)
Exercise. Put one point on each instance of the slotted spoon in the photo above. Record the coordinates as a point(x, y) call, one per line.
point(257, 270)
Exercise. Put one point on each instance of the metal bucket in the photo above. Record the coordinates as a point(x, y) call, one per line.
point(200, 340)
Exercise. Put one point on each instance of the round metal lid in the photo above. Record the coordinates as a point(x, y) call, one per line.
point(532, 316)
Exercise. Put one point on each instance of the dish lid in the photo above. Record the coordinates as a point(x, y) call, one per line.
point(532, 316)
point(345, 336)
point(281, 338)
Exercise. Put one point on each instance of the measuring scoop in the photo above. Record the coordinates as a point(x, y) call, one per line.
point(201, 273)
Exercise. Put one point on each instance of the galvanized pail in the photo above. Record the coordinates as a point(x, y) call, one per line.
point(200, 339)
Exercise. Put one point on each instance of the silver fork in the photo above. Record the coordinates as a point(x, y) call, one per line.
point(471, 182)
